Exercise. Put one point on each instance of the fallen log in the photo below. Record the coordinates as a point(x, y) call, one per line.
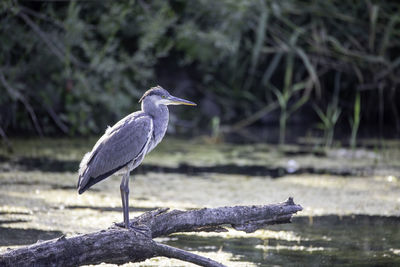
point(119, 245)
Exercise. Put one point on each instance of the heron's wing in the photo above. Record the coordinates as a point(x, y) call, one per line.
point(124, 142)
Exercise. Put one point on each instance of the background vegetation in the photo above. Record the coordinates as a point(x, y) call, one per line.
point(74, 67)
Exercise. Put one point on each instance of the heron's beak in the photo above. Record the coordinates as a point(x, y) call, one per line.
point(179, 101)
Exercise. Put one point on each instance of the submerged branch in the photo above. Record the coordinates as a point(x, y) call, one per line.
point(119, 245)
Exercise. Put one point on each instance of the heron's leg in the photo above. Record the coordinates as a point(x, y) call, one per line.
point(124, 188)
point(126, 211)
point(121, 188)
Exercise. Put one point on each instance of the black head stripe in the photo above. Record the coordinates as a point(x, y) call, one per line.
point(157, 90)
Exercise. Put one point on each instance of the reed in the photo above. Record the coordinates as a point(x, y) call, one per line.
point(355, 121)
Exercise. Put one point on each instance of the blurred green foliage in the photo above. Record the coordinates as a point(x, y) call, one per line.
point(77, 66)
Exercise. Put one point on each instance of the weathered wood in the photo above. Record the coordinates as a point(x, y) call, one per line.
point(119, 245)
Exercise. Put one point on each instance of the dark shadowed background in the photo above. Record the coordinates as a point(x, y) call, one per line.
point(74, 67)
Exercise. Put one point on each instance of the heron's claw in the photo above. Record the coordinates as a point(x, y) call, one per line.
point(120, 224)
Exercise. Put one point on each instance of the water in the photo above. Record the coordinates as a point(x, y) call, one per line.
point(351, 199)
point(311, 241)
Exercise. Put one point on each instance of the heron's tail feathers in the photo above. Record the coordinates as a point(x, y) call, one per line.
point(83, 173)
point(82, 182)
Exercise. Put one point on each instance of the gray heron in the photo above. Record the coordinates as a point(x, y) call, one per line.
point(124, 145)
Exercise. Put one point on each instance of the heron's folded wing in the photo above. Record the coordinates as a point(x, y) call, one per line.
point(121, 144)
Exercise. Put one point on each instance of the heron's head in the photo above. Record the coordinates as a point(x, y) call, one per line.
point(159, 96)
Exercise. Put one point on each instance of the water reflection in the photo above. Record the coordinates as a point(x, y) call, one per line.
point(324, 240)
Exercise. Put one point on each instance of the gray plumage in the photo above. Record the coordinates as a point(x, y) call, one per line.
point(124, 146)
point(121, 144)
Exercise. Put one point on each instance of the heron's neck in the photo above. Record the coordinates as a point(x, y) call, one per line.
point(157, 112)
point(160, 115)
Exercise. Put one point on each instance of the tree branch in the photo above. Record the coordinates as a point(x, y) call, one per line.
point(5, 139)
point(118, 245)
point(56, 47)
point(176, 253)
point(17, 95)
point(251, 119)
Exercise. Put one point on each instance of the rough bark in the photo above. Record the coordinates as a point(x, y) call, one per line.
point(118, 245)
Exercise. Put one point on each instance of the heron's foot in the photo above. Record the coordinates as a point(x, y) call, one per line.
point(141, 228)
point(124, 224)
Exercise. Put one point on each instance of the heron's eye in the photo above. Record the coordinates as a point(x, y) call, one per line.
point(164, 96)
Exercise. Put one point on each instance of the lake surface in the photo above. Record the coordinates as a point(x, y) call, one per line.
point(351, 199)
